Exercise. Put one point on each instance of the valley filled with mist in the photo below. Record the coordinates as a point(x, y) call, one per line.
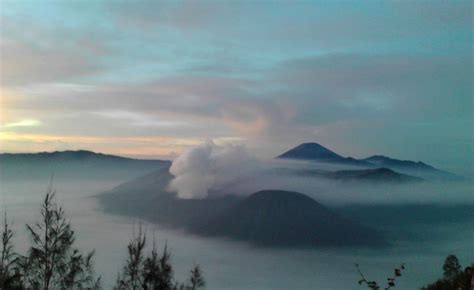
point(285, 223)
point(264, 145)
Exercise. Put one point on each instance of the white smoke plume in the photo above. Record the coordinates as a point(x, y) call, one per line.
point(209, 167)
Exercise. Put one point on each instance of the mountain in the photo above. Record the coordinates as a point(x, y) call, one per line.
point(267, 218)
point(373, 175)
point(147, 197)
point(68, 155)
point(377, 175)
point(288, 219)
point(317, 152)
point(310, 151)
point(390, 162)
point(74, 164)
point(412, 167)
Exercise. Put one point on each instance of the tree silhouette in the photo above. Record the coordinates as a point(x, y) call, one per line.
point(158, 271)
point(373, 285)
point(53, 261)
point(152, 272)
point(10, 275)
point(451, 267)
point(132, 271)
point(454, 277)
point(196, 280)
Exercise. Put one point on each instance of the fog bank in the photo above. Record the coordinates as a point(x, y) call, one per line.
point(211, 169)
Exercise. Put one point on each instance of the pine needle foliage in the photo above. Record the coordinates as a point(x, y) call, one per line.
point(52, 260)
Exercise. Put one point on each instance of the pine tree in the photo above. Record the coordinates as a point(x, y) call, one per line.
point(10, 276)
point(152, 272)
point(166, 270)
point(451, 267)
point(53, 261)
point(158, 271)
point(454, 277)
point(196, 280)
point(132, 273)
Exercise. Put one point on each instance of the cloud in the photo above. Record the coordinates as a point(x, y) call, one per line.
point(225, 105)
point(208, 170)
point(301, 25)
point(208, 167)
point(24, 64)
point(338, 73)
point(23, 123)
point(337, 99)
point(139, 120)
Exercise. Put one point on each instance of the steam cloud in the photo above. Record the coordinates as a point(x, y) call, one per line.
point(218, 170)
point(209, 167)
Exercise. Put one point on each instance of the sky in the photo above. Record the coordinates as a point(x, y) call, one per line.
point(149, 79)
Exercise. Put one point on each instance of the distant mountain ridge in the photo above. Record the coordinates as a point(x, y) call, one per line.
point(412, 167)
point(72, 164)
point(316, 152)
point(387, 161)
point(13, 164)
point(377, 175)
point(65, 155)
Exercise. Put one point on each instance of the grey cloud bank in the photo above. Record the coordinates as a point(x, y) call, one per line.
point(391, 78)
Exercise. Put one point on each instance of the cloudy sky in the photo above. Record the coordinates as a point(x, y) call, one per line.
point(148, 79)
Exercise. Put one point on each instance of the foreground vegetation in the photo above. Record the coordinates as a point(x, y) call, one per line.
point(454, 277)
point(374, 285)
point(53, 262)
